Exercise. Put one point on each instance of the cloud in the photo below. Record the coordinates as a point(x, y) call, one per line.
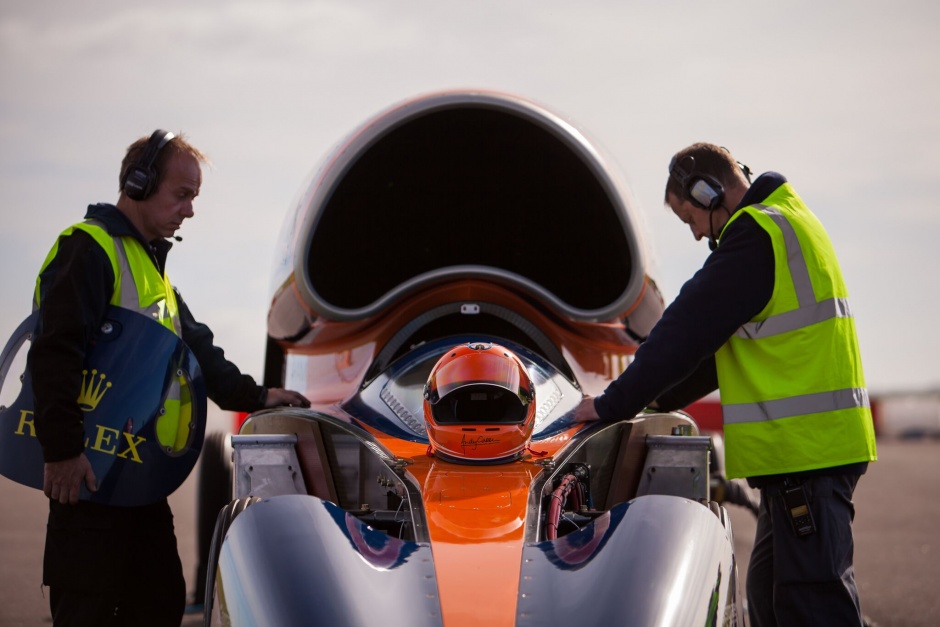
point(839, 96)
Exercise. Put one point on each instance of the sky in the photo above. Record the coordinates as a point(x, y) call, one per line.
point(842, 97)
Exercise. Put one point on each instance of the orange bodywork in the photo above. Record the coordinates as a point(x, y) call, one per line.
point(476, 516)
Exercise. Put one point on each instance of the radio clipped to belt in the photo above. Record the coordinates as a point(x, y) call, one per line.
point(798, 511)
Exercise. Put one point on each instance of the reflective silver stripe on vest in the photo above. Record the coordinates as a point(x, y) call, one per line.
point(796, 319)
point(809, 311)
point(129, 296)
point(850, 398)
point(130, 299)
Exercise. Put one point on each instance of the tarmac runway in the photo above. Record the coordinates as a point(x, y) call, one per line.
point(897, 550)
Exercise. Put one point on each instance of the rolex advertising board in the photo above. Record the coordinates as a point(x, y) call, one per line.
point(143, 403)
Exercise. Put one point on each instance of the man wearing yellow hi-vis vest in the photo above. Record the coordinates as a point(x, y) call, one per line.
point(105, 563)
point(767, 321)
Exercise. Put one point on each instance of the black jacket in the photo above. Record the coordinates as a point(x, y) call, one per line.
point(76, 289)
point(676, 364)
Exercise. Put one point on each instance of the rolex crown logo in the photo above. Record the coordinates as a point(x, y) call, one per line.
point(92, 390)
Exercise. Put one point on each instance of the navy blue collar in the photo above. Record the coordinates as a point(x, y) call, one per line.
point(763, 186)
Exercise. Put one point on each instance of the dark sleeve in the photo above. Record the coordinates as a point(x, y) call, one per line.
point(735, 283)
point(702, 381)
point(76, 288)
point(226, 385)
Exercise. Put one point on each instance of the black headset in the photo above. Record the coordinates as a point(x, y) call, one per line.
point(140, 180)
point(703, 190)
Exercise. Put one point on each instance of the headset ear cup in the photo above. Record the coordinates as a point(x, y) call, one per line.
point(705, 195)
point(141, 177)
point(701, 189)
point(138, 183)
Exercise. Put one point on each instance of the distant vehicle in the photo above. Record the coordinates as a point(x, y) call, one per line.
point(458, 274)
point(908, 415)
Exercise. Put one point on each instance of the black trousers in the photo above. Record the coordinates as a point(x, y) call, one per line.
point(804, 581)
point(113, 566)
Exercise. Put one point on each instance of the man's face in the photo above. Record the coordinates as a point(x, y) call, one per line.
point(162, 213)
point(695, 217)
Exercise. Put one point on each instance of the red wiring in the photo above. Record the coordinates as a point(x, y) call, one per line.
point(559, 498)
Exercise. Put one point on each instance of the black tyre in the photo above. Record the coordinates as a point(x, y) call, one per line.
point(213, 492)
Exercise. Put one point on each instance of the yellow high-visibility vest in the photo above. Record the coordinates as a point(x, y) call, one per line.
point(793, 391)
point(140, 287)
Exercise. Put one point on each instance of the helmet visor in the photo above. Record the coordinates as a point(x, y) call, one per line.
point(479, 404)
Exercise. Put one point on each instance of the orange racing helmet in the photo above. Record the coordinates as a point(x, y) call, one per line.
point(479, 404)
